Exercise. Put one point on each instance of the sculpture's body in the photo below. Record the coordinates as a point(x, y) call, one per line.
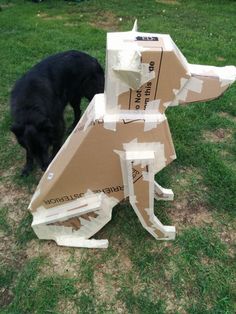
point(122, 141)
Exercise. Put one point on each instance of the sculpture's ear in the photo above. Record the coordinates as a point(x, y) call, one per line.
point(17, 129)
point(135, 26)
point(128, 68)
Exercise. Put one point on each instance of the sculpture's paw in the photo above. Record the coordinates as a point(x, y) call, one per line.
point(170, 233)
point(74, 241)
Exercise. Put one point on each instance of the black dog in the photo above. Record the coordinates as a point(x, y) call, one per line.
point(39, 98)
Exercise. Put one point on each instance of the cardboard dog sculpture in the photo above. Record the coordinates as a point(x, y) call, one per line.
point(122, 141)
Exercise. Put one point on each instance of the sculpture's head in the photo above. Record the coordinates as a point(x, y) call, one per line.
point(148, 72)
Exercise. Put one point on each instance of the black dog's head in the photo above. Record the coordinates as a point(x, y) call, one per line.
point(36, 139)
point(94, 82)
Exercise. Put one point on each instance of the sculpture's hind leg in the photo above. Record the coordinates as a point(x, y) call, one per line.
point(73, 223)
point(161, 193)
point(141, 193)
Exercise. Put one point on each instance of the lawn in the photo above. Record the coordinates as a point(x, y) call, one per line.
point(136, 274)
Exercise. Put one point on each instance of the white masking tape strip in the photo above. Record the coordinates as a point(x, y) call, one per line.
point(147, 176)
point(128, 67)
point(179, 54)
point(110, 122)
point(123, 171)
point(153, 106)
point(192, 84)
point(129, 170)
point(72, 241)
point(147, 75)
point(71, 209)
point(99, 106)
point(140, 157)
point(137, 156)
point(156, 147)
point(150, 117)
point(108, 202)
point(226, 75)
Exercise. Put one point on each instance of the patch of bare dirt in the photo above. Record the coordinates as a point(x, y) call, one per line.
point(6, 297)
point(15, 199)
point(107, 21)
point(66, 307)
point(45, 16)
point(175, 2)
point(163, 290)
point(61, 260)
point(105, 287)
point(206, 261)
point(10, 195)
point(71, 24)
point(6, 5)
point(106, 277)
point(120, 308)
point(174, 305)
point(225, 154)
point(228, 159)
point(218, 135)
point(7, 248)
point(227, 116)
point(11, 257)
point(183, 214)
point(188, 207)
point(228, 236)
point(219, 58)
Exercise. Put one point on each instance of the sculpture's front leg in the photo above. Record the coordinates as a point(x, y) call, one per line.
point(141, 192)
point(161, 193)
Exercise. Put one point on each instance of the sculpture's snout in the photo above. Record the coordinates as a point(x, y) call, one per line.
point(208, 82)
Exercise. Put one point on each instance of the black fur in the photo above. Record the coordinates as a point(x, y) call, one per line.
point(40, 96)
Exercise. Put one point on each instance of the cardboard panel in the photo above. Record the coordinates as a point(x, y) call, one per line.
point(93, 163)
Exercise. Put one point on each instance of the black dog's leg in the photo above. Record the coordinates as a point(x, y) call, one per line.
point(58, 138)
point(28, 167)
point(56, 146)
point(75, 104)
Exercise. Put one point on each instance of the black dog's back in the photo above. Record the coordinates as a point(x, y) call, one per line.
point(66, 76)
point(39, 97)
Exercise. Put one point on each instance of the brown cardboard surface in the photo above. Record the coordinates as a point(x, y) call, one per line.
point(211, 89)
point(93, 163)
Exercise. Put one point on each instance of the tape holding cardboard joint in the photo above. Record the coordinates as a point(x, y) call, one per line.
point(192, 84)
point(153, 150)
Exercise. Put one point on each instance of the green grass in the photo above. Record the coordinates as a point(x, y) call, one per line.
point(136, 274)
